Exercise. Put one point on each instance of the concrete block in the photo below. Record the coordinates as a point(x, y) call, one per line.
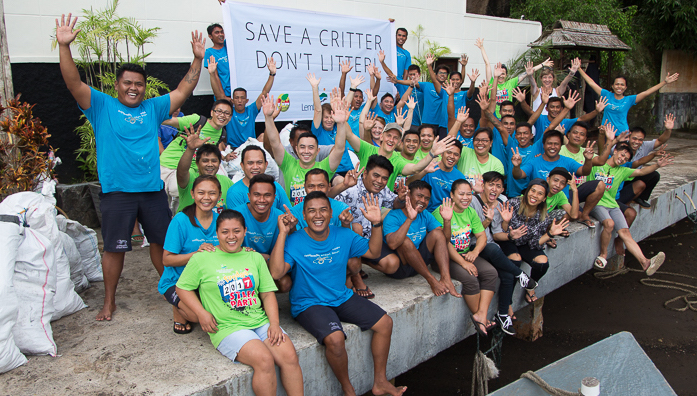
point(528, 327)
point(76, 202)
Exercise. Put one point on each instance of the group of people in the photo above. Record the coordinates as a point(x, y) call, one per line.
point(398, 184)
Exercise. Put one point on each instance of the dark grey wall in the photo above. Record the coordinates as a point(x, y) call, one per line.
point(682, 105)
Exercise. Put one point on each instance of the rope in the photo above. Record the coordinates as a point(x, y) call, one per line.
point(690, 298)
point(62, 212)
point(548, 388)
point(484, 368)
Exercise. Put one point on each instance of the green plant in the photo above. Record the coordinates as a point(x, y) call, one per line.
point(105, 41)
point(24, 148)
point(423, 47)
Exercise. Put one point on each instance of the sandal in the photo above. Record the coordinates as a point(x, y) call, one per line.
point(365, 293)
point(656, 261)
point(478, 326)
point(530, 296)
point(600, 263)
point(552, 243)
point(363, 274)
point(137, 238)
point(182, 325)
point(588, 223)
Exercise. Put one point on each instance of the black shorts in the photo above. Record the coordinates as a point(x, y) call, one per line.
point(526, 253)
point(120, 211)
point(171, 296)
point(584, 190)
point(321, 320)
point(405, 270)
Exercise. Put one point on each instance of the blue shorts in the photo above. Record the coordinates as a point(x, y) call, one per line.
point(230, 346)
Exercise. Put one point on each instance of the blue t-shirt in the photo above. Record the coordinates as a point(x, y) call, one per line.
point(328, 137)
point(184, 238)
point(241, 125)
point(223, 67)
point(418, 96)
point(440, 182)
point(238, 194)
point(434, 105)
point(168, 133)
point(260, 236)
point(403, 63)
point(419, 228)
point(466, 142)
point(388, 117)
point(128, 156)
point(543, 122)
point(616, 110)
point(459, 100)
point(337, 208)
point(538, 167)
point(498, 150)
point(516, 186)
point(318, 268)
point(354, 122)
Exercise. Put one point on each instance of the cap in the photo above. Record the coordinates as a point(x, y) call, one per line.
point(393, 125)
point(560, 171)
point(539, 182)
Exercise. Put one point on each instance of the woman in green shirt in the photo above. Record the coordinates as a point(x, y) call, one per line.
point(238, 307)
point(478, 277)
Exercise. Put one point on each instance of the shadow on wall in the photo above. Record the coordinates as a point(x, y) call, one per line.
point(498, 8)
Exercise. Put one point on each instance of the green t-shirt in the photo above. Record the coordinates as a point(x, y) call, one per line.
point(229, 285)
point(470, 166)
point(170, 157)
point(185, 198)
point(294, 176)
point(556, 201)
point(397, 161)
point(401, 176)
point(578, 157)
point(504, 92)
point(613, 178)
point(463, 227)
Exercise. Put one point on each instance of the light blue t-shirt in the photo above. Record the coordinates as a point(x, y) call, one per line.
point(388, 117)
point(328, 137)
point(543, 122)
point(354, 122)
point(466, 142)
point(419, 228)
point(418, 96)
point(459, 100)
point(128, 155)
point(318, 268)
point(238, 194)
point(403, 63)
point(337, 208)
point(241, 125)
point(538, 167)
point(183, 238)
point(260, 236)
point(440, 182)
point(516, 186)
point(616, 110)
point(434, 105)
point(223, 67)
point(498, 150)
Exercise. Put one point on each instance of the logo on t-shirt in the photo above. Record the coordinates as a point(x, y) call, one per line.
point(501, 95)
point(461, 237)
point(297, 190)
point(131, 119)
point(320, 259)
point(607, 179)
point(237, 290)
point(239, 118)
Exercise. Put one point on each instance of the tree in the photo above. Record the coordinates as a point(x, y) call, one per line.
point(672, 24)
point(423, 47)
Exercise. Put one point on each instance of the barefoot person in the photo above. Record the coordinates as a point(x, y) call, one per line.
point(317, 258)
point(238, 308)
point(192, 230)
point(128, 161)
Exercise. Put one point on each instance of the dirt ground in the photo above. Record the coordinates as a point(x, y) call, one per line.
point(586, 311)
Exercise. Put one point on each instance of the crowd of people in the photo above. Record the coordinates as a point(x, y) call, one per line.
point(398, 183)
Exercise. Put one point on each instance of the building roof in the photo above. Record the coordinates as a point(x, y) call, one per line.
point(579, 35)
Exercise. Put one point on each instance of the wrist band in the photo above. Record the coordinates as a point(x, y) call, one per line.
point(377, 225)
point(353, 89)
point(272, 74)
point(550, 235)
point(431, 154)
point(510, 237)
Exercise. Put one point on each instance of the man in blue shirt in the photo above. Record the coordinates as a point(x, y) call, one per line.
point(441, 176)
point(403, 62)
point(219, 52)
point(253, 162)
point(241, 125)
point(317, 258)
point(318, 180)
point(125, 130)
point(417, 239)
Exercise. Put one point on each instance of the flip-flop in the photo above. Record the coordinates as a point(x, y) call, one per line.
point(587, 223)
point(185, 331)
point(137, 238)
point(603, 263)
point(363, 274)
point(477, 327)
point(530, 298)
point(656, 262)
point(552, 243)
point(370, 294)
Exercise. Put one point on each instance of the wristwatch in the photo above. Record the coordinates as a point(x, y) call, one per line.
point(353, 89)
point(377, 225)
point(272, 74)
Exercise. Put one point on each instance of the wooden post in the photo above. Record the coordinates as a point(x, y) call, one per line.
point(528, 327)
point(6, 87)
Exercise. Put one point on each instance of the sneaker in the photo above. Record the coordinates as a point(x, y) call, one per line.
point(642, 203)
point(526, 282)
point(506, 323)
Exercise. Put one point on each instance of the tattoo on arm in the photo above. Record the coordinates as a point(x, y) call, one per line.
point(193, 74)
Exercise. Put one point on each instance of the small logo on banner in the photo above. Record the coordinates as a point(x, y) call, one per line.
point(284, 102)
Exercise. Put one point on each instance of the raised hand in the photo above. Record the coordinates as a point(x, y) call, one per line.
point(449, 87)
point(623, 137)
point(498, 70)
point(516, 159)
point(193, 140)
point(671, 78)
point(463, 61)
point(665, 160)
point(446, 209)
point(479, 43)
point(402, 191)
point(488, 212)
point(529, 68)
point(212, 65)
point(601, 104)
point(478, 184)
point(400, 116)
point(432, 166)
point(346, 217)
point(411, 212)
point(548, 62)
point(430, 59)
point(411, 103)
point(572, 183)
point(439, 146)
point(268, 105)
point(519, 94)
point(669, 122)
point(65, 33)
point(561, 128)
point(474, 75)
point(198, 44)
point(573, 98)
point(544, 95)
point(506, 211)
point(483, 99)
point(517, 233)
point(588, 151)
point(661, 151)
point(558, 228)
point(370, 120)
point(276, 111)
point(356, 81)
point(340, 111)
point(609, 130)
point(346, 67)
point(371, 70)
point(271, 65)
point(314, 81)
point(463, 114)
point(376, 73)
point(372, 211)
point(575, 65)
point(381, 56)
point(283, 224)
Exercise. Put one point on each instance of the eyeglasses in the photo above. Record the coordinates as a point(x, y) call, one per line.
point(223, 112)
point(482, 140)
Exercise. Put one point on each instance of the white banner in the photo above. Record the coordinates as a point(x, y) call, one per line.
point(302, 42)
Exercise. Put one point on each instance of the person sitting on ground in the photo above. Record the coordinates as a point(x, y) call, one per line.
point(317, 258)
point(208, 159)
point(460, 224)
point(293, 169)
point(191, 231)
point(440, 176)
point(414, 239)
point(618, 103)
point(212, 128)
point(238, 308)
point(253, 162)
point(475, 162)
point(640, 188)
point(241, 126)
point(125, 130)
point(526, 228)
point(488, 205)
point(609, 213)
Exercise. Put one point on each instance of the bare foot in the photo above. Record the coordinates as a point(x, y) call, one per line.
point(437, 287)
point(386, 388)
point(105, 313)
point(448, 283)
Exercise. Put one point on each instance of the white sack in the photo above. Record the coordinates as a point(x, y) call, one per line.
point(10, 356)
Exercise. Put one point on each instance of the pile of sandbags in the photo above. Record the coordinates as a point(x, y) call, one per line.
point(11, 232)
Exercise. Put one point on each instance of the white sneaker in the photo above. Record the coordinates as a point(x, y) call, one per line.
point(526, 282)
point(506, 323)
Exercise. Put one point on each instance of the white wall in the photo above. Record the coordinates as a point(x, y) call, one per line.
point(30, 25)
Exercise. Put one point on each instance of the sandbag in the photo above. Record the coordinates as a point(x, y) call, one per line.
point(87, 244)
point(35, 285)
point(77, 275)
point(10, 234)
